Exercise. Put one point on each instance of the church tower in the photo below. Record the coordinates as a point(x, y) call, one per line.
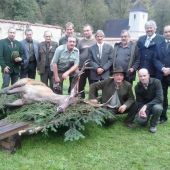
point(138, 16)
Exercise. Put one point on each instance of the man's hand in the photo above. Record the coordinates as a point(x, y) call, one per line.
point(122, 108)
point(100, 70)
point(65, 75)
point(166, 71)
point(18, 59)
point(131, 70)
point(94, 101)
point(142, 112)
point(38, 72)
point(57, 79)
point(6, 69)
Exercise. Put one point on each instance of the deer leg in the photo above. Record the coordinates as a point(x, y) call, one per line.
point(18, 102)
point(15, 90)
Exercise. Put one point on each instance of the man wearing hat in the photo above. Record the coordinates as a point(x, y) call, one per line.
point(11, 56)
point(121, 91)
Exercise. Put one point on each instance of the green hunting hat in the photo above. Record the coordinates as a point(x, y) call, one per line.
point(14, 55)
point(118, 69)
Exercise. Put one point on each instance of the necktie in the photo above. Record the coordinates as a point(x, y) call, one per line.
point(100, 51)
point(12, 45)
point(167, 44)
point(146, 87)
point(147, 42)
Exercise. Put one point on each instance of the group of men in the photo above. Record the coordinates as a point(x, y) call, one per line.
point(149, 56)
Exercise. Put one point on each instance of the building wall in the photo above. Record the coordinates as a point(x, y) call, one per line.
point(137, 20)
point(38, 30)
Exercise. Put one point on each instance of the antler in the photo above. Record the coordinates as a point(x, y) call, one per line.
point(100, 105)
point(75, 90)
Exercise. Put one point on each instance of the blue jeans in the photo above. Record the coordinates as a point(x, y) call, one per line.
point(6, 79)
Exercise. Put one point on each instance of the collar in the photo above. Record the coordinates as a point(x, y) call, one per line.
point(100, 44)
point(128, 45)
point(29, 41)
point(153, 36)
point(10, 40)
point(66, 49)
point(167, 40)
point(151, 80)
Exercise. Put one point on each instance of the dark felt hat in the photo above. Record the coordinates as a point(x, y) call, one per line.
point(118, 69)
point(14, 55)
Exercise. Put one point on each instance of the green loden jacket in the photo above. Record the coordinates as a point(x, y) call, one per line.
point(5, 55)
point(108, 88)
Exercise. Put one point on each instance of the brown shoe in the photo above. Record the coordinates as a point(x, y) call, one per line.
point(130, 125)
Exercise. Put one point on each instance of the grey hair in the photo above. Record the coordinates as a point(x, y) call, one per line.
point(11, 28)
point(49, 32)
point(151, 22)
point(123, 31)
point(99, 32)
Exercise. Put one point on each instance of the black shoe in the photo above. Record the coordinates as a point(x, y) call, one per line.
point(161, 121)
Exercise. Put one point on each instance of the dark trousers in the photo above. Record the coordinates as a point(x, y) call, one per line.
point(6, 79)
point(29, 71)
point(47, 76)
point(165, 83)
point(132, 111)
point(73, 75)
point(154, 113)
point(82, 82)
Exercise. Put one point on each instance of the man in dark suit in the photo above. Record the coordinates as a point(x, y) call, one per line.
point(162, 64)
point(46, 51)
point(147, 44)
point(121, 91)
point(30, 48)
point(11, 56)
point(100, 58)
point(127, 55)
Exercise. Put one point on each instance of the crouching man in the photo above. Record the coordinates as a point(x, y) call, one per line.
point(149, 96)
point(121, 91)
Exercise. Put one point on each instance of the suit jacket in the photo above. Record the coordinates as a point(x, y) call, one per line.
point(108, 88)
point(5, 55)
point(147, 54)
point(42, 55)
point(161, 59)
point(105, 62)
point(134, 61)
point(25, 47)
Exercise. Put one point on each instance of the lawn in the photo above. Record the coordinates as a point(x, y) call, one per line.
point(114, 147)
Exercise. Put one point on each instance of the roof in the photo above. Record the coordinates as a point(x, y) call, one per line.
point(113, 28)
point(27, 23)
point(139, 7)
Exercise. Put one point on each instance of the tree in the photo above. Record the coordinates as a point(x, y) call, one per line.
point(161, 14)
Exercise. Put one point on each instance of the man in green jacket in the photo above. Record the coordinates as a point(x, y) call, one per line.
point(149, 95)
point(121, 91)
point(11, 56)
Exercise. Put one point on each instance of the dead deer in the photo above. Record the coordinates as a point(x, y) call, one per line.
point(35, 91)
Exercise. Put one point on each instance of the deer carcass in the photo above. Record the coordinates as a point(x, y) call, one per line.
point(34, 91)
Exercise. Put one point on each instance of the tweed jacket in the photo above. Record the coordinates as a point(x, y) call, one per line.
point(5, 55)
point(42, 55)
point(25, 47)
point(161, 59)
point(108, 88)
point(153, 95)
point(134, 61)
point(95, 62)
point(147, 54)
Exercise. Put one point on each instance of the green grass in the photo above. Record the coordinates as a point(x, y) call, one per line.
point(114, 147)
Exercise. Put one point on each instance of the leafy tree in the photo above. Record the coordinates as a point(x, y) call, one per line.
point(161, 14)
